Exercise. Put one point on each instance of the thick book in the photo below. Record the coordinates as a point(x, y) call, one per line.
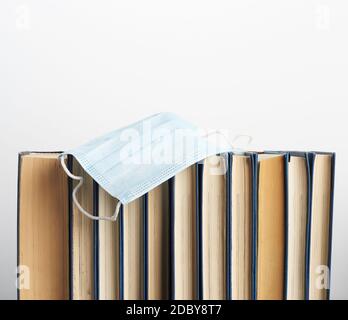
point(298, 194)
point(184, 235)
point(271, 227)
point(240, 226)
point(157, 243)
point(83, 238)
point(322, 167)
point(43, 228)
point(132, 250)
point(108, 249)
point(213, 227)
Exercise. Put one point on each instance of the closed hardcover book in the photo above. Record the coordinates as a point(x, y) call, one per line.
point(240, 226)
point(108, 248)
point(43, 228)
point(322, 169)
point(132, 250)
point(83, 238)
point(270, 265)
point(298, 194)
point(213, 227)
point(184, 235)
point(157, 243)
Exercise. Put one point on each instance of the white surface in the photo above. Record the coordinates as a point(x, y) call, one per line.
point(275, 70)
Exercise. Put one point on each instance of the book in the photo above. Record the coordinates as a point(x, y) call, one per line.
point(213, 227)
point(109, 249)
point(184, 235)
point(320, 225)
point(297, 217)
point(270, 227)
point(132, 224)
point(83, 246)
point(241, 245)
point(158, 242)
point(43, 228)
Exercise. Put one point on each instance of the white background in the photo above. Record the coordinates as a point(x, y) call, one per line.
point(72, 70)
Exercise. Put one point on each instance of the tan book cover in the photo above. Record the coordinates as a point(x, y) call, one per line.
point(133, 250)
point(83, 239)
point(319, 273)
point(297, 227)
point(109, 249)
point(214, 229)
point(271, 228)
point(241, 215)
point(43, 228)
point(158, 242)
point(185, 247)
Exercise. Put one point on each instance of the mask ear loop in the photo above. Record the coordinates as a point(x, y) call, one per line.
point(76, 189)
point(234, 140)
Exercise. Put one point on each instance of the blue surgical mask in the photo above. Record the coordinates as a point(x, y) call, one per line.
point(133, 160)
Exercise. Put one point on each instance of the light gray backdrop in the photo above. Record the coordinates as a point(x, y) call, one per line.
point(71, 70)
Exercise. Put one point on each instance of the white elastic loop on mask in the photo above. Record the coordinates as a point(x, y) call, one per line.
point(76, 189)
point(235, 139)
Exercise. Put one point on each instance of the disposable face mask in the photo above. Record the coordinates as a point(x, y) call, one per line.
point(131, 161)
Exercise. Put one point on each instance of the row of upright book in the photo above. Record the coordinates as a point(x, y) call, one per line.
point(233, 226)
